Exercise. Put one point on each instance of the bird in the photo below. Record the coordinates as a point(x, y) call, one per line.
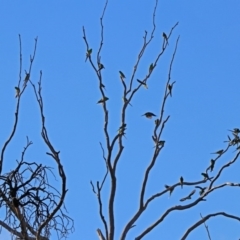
point(181, 181)
point(126, 101)
point(88, 54)
point(122, 129)
point(169, 188)
point(100, 66)
point(122, 76)
point(26, 78)
point(165, 37)
point(17, 92)
point(161, 143)
point(149, 115)
point(151, 67)
point(170, 86)
point(235, 130)
point(157, 122)
point(205, 175)
point(233, 141)
point(212, 163)
point(102, 100)
point(189, 196)
point(142, 83)
point(202, 189)
point(158, 143)
point(220, 152)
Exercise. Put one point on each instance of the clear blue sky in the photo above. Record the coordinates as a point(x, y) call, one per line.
point(205, 103)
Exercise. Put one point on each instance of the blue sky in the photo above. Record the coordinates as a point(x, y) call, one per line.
point(205, 103)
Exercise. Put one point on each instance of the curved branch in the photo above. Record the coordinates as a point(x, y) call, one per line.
point(204, 219)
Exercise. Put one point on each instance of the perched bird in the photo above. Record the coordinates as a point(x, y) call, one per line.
point(157, 122)
point(149, 115)
point(169, 188)
point(220, 152)
point(161, 143)
point(158, 143)
point(122, 76)
point(205, 175)
point(233, 141)
point(27, 77)
point(88, 54)
point(235, 130)
point(143, 83)
point(17, 92)
point(100, 66)
point(102, 100)
point(212, 164)
point(202, 189)
point(170, 86)
point(126, 101)
point(122, 129)
point(151, 67)
point(189, 196)
point(181, 181)
point(165, 37)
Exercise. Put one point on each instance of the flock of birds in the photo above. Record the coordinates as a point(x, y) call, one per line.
point(232, 141)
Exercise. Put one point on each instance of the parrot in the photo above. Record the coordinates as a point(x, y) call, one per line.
point(181, 181)
point(126, 100)
point(201, 190)
point(165, 37)
point(205, 175)
point(170, 189)
point(189, 196)
point(157, 122)
point(170, 89)
point(26, 78)
point(122, 76)
point(104, 99)
point(149, 115)
point(151, 67)
point(100, 66)
point(17, 91)
point(212, 163)
point(220, 152)
point(88, 54)
point(143, 83)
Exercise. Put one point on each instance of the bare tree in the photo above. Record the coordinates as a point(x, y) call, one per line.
point(34, 208)
point(114, 145)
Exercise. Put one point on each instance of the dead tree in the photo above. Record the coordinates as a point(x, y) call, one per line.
point(131, 85)
point(34, 208)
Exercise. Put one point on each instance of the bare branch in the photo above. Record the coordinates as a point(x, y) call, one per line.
point(204, 219)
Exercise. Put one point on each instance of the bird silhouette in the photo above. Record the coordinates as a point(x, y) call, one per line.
point(100, 66)
point(181, 181)
point(151, 67)
point(220, 152)
point(17, 92)
point(88, 54)
point(169, 188)
point(165, 37)
point(142, 83)
point(122, 76)
point(188, 197)
point(202, 189)
point(149, 115)
point(170, 86)
point(104, 99)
